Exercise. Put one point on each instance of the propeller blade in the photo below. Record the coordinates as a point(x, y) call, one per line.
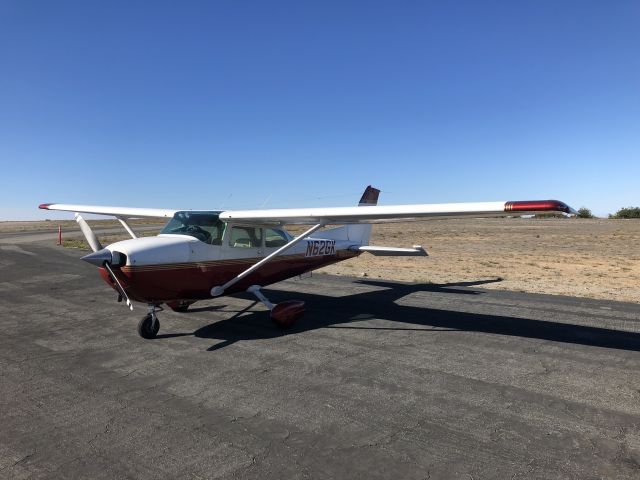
point(94, 243)
point(120, 289)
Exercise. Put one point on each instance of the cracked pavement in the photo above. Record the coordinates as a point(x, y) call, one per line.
point(378, 380)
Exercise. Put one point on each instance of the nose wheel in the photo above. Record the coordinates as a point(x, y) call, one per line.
point(149, 325)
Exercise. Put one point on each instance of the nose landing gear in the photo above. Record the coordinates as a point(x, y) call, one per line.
point(149, 325)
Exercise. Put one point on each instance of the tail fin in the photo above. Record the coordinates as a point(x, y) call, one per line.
point(361, 233)
point(358, 234)
point(369, 197)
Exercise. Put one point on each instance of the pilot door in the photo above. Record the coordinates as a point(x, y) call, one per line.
point(244, 242)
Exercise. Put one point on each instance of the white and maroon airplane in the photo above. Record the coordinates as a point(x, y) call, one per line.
point(203, 254)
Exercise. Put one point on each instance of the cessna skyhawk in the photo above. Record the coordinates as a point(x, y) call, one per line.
point(203, 254)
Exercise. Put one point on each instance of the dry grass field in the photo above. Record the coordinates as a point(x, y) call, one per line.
point(597, 258)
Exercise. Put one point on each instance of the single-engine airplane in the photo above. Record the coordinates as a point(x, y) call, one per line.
point(203, 254)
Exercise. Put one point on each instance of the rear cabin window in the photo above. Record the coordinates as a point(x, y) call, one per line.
point(275, 238)
point(205, 226)
point(245, 237)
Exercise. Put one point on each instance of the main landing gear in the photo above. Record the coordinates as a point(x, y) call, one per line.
point(283, 314)
point(179, 306)
point(149, 326)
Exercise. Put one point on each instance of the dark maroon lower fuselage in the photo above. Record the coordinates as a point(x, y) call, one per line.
point(155, 284)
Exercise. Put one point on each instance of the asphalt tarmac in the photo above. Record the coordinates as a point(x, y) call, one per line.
point(378, 380)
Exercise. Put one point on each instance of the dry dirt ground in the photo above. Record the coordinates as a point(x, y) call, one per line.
point(597, 258)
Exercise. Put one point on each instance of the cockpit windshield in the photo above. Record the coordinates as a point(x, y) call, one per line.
point(205, 226)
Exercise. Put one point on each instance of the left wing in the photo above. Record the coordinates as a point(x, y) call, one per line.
point(123, 212)
point(393, 213)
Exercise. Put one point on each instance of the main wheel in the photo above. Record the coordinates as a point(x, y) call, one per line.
point(284, 314)
point(144, 327)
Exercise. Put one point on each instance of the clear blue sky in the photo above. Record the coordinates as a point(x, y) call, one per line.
point(244, 104)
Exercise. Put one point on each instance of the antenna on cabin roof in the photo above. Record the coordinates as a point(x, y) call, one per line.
point(226, 200)
point(264, 204)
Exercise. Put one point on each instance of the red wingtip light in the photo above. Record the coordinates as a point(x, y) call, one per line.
point(537, 206)
point(45, 206)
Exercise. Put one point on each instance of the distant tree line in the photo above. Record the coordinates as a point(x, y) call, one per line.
point(629, 212)
point(584, 212)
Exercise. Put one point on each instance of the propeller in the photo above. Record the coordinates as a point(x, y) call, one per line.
point(105, 258)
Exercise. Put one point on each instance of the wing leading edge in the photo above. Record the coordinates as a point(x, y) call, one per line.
point(393, 213)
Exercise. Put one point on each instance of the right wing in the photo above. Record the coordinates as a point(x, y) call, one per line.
point(392, 213)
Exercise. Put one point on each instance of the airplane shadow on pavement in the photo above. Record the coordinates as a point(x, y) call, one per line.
point(347, 312)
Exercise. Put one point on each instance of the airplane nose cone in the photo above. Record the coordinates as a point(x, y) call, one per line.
point(98, 258)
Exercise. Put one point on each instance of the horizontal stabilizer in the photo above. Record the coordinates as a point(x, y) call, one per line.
point(416, 251)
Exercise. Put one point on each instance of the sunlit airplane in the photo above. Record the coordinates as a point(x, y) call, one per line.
point(203, 254)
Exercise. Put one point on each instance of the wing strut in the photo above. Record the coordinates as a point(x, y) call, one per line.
point(126, 226)
point(219, 290)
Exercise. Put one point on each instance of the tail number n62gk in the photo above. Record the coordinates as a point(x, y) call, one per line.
point(317, 248)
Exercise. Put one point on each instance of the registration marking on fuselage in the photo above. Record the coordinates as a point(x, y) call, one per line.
point(317, 248)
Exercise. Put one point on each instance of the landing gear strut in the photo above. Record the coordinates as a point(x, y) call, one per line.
point(149, 325)
point(180, 306)
point(283, 314)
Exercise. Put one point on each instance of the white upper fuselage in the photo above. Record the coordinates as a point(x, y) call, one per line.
point(168, 248)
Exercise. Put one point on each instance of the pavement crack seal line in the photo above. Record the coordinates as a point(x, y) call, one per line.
point(40, 357)
point(26, 457)
point(129, 373)
point(105, 431)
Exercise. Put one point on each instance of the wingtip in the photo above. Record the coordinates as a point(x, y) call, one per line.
point(539, 206)
point(45, 206)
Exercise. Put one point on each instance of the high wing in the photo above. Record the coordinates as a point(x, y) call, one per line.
point(121, 212)
point(392, 213)
point(340, 215)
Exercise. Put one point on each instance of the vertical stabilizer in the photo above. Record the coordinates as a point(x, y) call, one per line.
point(357, 233)
point(369, 197)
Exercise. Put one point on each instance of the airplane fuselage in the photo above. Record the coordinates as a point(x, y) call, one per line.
point(169, 268)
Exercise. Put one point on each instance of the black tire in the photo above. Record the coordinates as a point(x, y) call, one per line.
point(144, 327)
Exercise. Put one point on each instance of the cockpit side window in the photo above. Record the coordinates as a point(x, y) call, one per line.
point(205, 226)
point(275, 238)
point(245, 237)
